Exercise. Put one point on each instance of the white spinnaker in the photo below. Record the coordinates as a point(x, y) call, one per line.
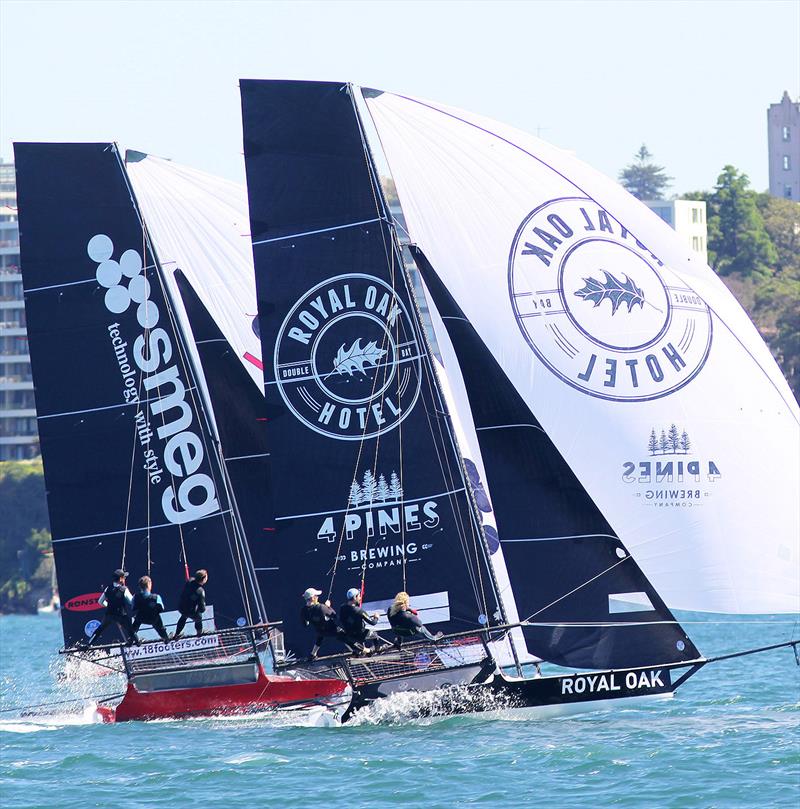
point(200, 224)
point(713, 518)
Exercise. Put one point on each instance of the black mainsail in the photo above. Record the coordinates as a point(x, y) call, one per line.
point(131, 467)
point(368, 490)
point(586, 601)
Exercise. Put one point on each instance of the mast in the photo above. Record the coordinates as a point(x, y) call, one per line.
point(477, 523)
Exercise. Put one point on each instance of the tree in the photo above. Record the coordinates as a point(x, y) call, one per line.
point(782, 223)
point(737, 239)
point(369, 487)
point(356, 495)
point(674, 439)
point(652, 444)
point(395, 489)
point(686, 444)
point(663, 444)
point(382, 492)
point(644, 179)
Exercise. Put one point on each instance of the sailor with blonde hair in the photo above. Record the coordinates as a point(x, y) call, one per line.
point(406, 622)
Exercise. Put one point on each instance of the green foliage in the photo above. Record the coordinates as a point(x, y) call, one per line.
point(25, 565)
point(738, 241)
point(754, 244)
point(644, 179)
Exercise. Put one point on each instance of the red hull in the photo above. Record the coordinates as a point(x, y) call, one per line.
point(267, 693)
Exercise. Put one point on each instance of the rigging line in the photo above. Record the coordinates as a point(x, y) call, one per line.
point(216, 451)
point(516, 146)
point(381, 217)
point(575, 589)
point(455, 445)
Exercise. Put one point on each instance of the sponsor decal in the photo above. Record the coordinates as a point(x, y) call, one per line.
point(83, 603)
point(173, 451)
point(600, 310)
point(615, 681)
point(378, 522)
point(668, 476)
point(347, 358)
point(153, 649)
point(90, 627)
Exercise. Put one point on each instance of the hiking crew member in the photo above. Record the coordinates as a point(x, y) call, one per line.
point(192, 604)
point(147, 608)
point(322, 619)
point(116, 598)
point(355, 621)
point(405, 622)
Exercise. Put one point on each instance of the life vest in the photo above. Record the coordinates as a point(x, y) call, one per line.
point(193, 598)
point(116, 604)
point(146, 606)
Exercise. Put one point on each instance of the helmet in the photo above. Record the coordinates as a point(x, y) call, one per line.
point(353, 592)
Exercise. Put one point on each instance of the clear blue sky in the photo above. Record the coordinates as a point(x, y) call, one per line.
point(692, 80)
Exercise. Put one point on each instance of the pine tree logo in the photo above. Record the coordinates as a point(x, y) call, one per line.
point(669, 442)
point(374, 490)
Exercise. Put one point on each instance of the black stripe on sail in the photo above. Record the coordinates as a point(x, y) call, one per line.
point(108, 341)
point(364, 475)
point(566, 563)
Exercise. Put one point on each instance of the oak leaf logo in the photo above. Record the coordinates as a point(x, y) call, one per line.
point(614, 290)
point(357, 358)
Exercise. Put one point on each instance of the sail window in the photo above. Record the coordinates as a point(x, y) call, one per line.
point(629, 602)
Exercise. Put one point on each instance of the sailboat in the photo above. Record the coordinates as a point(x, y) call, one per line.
point(135, 472)
point(559, 309)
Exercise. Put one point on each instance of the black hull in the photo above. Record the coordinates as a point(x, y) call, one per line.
point(556, 695)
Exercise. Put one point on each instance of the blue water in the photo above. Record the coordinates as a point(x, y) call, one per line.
point(730, 738)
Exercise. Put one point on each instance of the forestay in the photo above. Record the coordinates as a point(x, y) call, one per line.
point(131, 468)
point(632, 355)
point(367, 487)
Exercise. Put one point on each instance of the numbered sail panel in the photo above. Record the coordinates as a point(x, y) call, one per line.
point(127, 457)
point(587, 600)
point(634, 357)
point(365, 478)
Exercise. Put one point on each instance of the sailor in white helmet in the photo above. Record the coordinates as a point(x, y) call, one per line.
point(322, 619)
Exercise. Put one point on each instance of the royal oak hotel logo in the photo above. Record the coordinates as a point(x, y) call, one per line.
point(347, 358)
point(599, 309)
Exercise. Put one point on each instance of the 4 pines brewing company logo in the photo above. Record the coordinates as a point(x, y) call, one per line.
point(599, 309)
point(347, 359)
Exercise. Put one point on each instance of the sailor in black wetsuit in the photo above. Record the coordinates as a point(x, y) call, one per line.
point(356, 622)
point(147, 608)
point(405, 622)
point(116, 598)
point(192, 604)
point(322, 619)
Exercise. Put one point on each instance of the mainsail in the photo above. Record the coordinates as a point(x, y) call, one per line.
point(368, 489)
point(634, 358)
point(131, 466)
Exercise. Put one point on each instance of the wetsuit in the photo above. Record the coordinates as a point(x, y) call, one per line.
point(354, 620)
point(116, 598)
point(191, 605)
point(406, 624)
point(147, 608)
point(322, 619)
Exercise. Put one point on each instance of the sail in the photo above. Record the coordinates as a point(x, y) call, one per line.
point(635, 359)
point(199, 223)
point(131, 471)
point(240, 415)
point(586, 600)
point(367, 487)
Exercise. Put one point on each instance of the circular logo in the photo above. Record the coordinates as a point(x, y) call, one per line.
point(347, 358)
point(91, 627)
point(599, 309)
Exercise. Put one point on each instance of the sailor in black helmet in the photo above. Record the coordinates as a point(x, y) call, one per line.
point(192, 603)
point(147, 608)
point(322, 619)
point(116, 598)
